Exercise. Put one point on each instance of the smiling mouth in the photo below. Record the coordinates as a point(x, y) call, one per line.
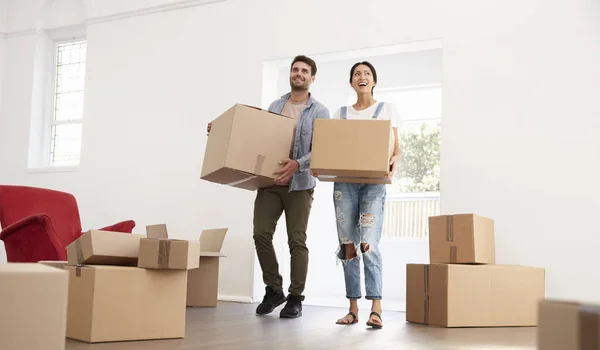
point(362, 84)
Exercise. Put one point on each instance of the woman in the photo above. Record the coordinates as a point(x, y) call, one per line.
point(359, 207)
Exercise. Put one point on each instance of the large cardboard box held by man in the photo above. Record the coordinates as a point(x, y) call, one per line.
point(33, 307)
point(461, 239)
point(245, 146)
point(352, 150)
point(456, 295)
point(124, 303)
point(568, 325)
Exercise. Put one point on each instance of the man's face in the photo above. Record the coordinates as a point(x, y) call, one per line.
point(300, 78)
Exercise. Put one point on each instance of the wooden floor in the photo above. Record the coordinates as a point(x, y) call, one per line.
point(235, 326)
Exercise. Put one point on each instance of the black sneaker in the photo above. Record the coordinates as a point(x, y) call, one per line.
point(293, 307)
point(271, 300)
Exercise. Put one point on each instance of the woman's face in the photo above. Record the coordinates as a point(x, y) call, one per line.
point(362, 79)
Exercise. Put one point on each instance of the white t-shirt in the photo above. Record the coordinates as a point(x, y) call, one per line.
point(388, 112)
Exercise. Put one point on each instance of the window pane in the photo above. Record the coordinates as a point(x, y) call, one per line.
point(70, 80)
point(66, 144)
point(69, 106)
point(419, 167)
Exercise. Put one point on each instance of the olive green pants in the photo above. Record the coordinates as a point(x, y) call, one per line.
point(270, 203)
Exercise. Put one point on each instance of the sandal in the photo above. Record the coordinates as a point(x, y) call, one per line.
point(344, 320)
point(373, 324)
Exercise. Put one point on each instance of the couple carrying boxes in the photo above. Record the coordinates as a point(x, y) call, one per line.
point(463, 286)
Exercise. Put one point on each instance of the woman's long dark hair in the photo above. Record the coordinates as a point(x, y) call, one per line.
point(370, 67)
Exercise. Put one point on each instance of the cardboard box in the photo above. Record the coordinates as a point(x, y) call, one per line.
point(121, 303)
point(159, 252)
point(356, 151)
point(245, 146)
point(462, 239)
point(97, 247)
point(203, 282)
point(565, 325)
point(33, 307)
point(453, 295)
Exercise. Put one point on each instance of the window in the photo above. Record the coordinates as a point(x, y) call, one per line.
point(67, 114)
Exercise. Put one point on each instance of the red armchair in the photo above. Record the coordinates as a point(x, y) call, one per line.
point(38, 224)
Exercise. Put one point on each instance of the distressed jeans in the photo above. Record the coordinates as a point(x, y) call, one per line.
point(359, 214)
point(269, 205)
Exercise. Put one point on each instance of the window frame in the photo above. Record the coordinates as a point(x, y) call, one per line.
point(50, 116)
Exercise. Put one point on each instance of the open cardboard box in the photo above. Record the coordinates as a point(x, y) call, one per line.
point(203, 282)
point(111, 299)
point(245, 146)
point(157, 251)
point(97, 247)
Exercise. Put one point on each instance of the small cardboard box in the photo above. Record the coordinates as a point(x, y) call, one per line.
point(203, 282)
point(159, 252)
point(455, 295)
point(123, 303)
point(568, 325)
point(461, 239)
point(356, 151)
point(33, 306)
point(97, 247)
point(245, 146)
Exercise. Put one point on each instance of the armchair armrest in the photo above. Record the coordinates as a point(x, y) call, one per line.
point(32, 239)
point(123, 227)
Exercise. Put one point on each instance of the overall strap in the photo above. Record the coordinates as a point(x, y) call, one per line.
point(344, 112)
point(378, 110)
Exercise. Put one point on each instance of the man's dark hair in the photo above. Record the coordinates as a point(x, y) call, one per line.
point(365, 63)
point(307, 60)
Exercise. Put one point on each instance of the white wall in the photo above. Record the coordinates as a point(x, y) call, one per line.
point(514, 72)
point(2, 25)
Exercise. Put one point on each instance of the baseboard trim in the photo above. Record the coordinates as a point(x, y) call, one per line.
point(235, 299)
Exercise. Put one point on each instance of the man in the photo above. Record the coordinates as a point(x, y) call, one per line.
point(292, 194)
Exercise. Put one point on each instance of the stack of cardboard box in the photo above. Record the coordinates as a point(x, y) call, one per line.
point(124, 287)
point(463, 286)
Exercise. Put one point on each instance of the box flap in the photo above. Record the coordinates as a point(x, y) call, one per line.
point(211, 240)
point(157, 231)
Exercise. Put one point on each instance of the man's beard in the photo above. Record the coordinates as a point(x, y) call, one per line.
point(295, 87)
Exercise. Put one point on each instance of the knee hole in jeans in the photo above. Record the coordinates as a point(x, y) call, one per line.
point(367, 219)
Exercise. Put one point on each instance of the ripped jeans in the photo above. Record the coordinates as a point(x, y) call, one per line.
point(359, 212)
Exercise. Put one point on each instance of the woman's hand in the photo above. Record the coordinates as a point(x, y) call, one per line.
point(393, 161)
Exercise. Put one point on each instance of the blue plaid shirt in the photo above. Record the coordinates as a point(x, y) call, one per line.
point(302, 179)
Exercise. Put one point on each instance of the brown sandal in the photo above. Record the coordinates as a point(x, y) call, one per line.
point(373, 324)
point(344, 321)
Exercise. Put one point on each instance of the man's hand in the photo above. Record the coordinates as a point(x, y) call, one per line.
point(393, 162)
point(208, 128)
point(313, 173)
point(285, 173)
